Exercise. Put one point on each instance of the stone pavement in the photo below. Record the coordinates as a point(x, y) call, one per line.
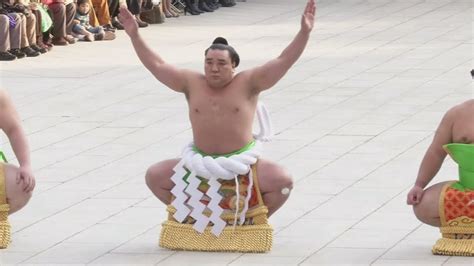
point(352, 120)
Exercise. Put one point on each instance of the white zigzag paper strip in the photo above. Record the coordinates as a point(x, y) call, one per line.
point(182, 211)
point(195, 202)
point(213, 205)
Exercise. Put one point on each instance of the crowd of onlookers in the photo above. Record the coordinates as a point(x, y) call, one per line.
point(29, 28)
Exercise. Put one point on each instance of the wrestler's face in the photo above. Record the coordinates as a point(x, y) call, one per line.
point(218, 68)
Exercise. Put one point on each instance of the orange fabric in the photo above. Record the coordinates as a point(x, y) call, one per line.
point(458, 203)
point(93, 20)
point(101, 8)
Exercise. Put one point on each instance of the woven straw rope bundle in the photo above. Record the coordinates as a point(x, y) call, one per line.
point(5, 236)
point(254, 238)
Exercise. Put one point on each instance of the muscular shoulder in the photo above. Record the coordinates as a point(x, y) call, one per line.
point(243, 80)
point(465, 108)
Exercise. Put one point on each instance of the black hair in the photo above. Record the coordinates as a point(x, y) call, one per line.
point(80, 2)
point(221, 43)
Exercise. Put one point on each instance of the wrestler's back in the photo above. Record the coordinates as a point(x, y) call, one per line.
point(222, 119)
point(463, 125)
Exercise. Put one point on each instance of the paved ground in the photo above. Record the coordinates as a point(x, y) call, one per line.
point(353, 119)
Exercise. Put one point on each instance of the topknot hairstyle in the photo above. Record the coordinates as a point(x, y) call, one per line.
point(220, 43)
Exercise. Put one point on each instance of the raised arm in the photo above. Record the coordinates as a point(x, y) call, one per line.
point(265, 76)
point(10, 124)
point(167, 74)
point(433, 158)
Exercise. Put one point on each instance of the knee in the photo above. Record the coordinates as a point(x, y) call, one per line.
point(3, 20)
point(152, 176)
point(287, 180)
point(31, 18)
point(420, 213)
point(71, 8)
point(58, 8)
point(283, 178)
point(18, 200)
point(16, 196)
point(16, 17)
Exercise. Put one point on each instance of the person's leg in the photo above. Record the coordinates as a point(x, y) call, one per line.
point(93, 19)
point(16, 36)
point(101, 8)
point(4, 33)
point(98, 33)
point(5, 39)
point(27, 34)
point(58, 15)
point(427, 211)
point(31, 28)
point(24, 32)
point(166, 8)
point(39, 45)
point(81, 31)
point(275, 184)
point(158, 179)
point(113, 7)
point(134, 6)
point(70, 13)
point(17, 198)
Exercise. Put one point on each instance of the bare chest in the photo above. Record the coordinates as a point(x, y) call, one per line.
point(219, 104)
point(463, 130)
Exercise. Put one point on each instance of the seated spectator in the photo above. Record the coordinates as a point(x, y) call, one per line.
point(82, 28)
point(42, 20)
point(102, 14)
point(114, 11)
point(134, 6)
point(62, 13)
point(27, 22)
point(10, 33)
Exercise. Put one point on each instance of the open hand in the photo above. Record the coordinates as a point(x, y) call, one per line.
point(25, 175)
point(415, 195)
point(128, 21)
point(307, 20)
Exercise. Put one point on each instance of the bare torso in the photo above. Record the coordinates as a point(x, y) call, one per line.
point(463, 124)
point(221, 119)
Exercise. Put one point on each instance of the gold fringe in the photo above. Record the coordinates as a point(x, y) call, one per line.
point(247, 238)
point(5, 234)
point(254, 238)
point(454, 247)
point(457, 230)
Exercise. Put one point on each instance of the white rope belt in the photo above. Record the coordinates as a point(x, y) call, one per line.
point(187, 196)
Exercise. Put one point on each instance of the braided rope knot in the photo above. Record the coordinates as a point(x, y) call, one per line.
point(187, 195)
